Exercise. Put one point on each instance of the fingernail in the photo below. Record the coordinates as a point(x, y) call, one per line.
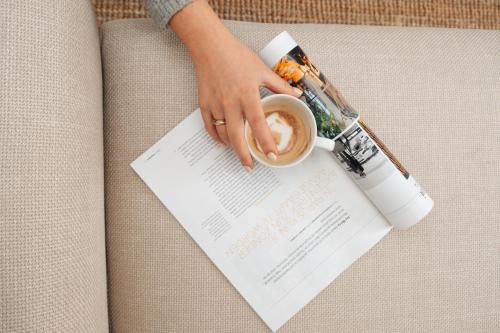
point(248, 169)
point(298, 92)
point(271, 156)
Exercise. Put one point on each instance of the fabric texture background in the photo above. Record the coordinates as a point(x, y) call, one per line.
point(483, 14)
point(52, 251)
point(432, 96)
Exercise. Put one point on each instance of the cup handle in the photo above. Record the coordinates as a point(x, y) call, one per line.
point(324, 143)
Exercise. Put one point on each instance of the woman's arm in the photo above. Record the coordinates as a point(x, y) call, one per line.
point(229, 76)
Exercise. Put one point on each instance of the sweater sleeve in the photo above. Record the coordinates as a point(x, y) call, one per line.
point(162, 10)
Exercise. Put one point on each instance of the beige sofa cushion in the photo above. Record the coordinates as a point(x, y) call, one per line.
point(431, 94)
point(52, 251)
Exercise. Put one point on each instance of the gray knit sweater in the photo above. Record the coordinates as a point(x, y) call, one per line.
point(162, 10)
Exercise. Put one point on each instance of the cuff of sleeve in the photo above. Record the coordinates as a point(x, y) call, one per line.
point(162, 10)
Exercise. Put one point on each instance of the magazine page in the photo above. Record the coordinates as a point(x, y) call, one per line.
point(279, 235)
point(357, 149)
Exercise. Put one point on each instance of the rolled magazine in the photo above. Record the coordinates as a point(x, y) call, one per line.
point(362, 155)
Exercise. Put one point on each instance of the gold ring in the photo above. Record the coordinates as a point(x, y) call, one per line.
point(218, 122)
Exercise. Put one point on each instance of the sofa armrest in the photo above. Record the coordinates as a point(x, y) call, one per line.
point(52, 250)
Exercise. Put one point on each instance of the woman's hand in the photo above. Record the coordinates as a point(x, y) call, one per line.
point(229, 76)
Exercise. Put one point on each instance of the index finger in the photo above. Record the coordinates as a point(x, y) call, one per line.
point(254, 113)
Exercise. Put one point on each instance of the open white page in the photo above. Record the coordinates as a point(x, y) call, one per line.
point(279, 235)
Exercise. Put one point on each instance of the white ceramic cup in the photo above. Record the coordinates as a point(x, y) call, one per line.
point(293, 104)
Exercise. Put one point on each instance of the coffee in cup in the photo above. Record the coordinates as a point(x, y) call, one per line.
point(289, 132)
point(293, 128)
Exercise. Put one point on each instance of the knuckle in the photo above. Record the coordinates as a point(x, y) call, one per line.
point(227, 104)
point(271, 76)
point(203, 105)
point(284, 84)
point(233, 133)
point(266, 142)
point(255, 117)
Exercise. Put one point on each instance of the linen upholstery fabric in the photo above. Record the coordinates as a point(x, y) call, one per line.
point(430, 94)
point(52, 250)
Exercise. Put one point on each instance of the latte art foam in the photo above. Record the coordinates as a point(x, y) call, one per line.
point(289, 134)
point(281, 131)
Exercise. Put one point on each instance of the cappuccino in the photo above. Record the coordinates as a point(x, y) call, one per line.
point(289, 132)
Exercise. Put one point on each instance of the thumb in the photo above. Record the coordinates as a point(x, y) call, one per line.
point(279, 86)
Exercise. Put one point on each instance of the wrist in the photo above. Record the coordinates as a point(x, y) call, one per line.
point(200, 29)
